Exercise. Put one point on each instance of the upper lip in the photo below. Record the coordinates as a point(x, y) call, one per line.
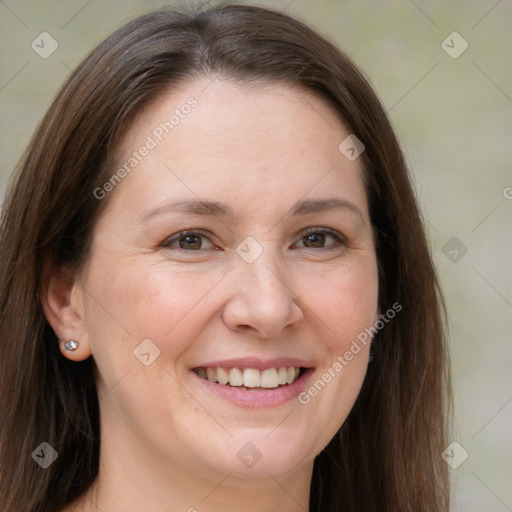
point(256, 362)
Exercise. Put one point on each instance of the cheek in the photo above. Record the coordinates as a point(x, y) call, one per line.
point(344, 299)
point(345, 303)
point(154, 301)
point(126, 308)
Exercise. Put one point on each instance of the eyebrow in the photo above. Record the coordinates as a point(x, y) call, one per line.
point(308, 206)
point(213, 208)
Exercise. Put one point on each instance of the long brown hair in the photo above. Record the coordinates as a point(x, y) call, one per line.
point(387, 454)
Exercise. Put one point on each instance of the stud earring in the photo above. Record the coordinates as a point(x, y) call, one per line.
point(71, 345)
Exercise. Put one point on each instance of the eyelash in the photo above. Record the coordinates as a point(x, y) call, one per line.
point(339, 239)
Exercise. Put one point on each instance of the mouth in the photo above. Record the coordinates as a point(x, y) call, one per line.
point(251, 383)
point(251, 379)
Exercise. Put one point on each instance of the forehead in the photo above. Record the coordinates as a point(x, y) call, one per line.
point(253, 144)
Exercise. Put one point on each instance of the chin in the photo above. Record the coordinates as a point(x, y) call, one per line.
point(260, 454)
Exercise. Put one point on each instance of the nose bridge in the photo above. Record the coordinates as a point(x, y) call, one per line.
point(264, 297)
point(266, 279)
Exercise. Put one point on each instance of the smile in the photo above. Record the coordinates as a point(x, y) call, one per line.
point(254, 383)
point(251, 379)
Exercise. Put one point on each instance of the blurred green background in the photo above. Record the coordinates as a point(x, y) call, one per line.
point(453, 115)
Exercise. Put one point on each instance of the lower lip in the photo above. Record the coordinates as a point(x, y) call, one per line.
point(257, 399)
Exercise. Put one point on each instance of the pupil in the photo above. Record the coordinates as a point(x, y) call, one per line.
point(190, 242)
point(315, 240)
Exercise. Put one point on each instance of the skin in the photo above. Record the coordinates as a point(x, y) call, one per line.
point(167, 443)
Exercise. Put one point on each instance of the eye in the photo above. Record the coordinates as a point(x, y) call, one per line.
point(196, 240)
point(191, 240)
point(315, 238)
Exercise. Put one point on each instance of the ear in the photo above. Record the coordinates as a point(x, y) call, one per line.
point(62, 302)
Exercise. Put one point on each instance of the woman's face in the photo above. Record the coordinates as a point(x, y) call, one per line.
point(279, 271)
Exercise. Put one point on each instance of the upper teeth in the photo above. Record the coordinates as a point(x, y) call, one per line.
point(250, 377)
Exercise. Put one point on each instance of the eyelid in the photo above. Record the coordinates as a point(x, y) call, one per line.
point(340, 239)
point(187, 232)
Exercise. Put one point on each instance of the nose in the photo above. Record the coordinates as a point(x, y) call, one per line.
point(263, 300)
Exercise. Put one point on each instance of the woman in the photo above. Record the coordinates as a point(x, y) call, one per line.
point(217, 288)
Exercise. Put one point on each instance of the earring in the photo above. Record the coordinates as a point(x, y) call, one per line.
point(71, 345)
